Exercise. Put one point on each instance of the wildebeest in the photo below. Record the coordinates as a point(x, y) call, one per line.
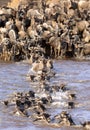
point(55, 45)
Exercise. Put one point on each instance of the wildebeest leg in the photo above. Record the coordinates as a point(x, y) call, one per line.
point(64, 48)
point(81, 52)
point(55, 52)
point(62, 53)
point(59, 50)
point(51, 51)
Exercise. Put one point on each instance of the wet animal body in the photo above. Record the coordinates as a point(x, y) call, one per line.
point(37, 36)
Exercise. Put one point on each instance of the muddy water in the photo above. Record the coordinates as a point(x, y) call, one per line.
point(13, 79)
point(73, 73)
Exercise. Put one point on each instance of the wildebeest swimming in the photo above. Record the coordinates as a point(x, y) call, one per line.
point(38, 33)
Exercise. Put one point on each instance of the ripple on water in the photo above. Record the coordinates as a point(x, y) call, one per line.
point(77, 78)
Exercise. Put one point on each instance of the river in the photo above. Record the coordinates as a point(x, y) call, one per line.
point(76, 74)
point(73, 73)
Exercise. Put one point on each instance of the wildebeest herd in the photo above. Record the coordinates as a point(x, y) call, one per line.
point(37, 32)
point(61, 29)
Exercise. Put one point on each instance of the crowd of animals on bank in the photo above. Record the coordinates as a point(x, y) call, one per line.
point(57, 30)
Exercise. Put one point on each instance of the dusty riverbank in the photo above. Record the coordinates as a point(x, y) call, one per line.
point(57, 31)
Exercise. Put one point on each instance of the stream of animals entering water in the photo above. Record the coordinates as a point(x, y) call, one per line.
point(76, 74)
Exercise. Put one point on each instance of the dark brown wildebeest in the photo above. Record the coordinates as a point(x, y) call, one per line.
point(55, 45)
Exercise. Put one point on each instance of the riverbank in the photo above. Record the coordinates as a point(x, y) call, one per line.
point(57, 31)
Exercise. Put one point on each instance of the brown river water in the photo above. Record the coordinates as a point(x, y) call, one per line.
point(76, 74)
